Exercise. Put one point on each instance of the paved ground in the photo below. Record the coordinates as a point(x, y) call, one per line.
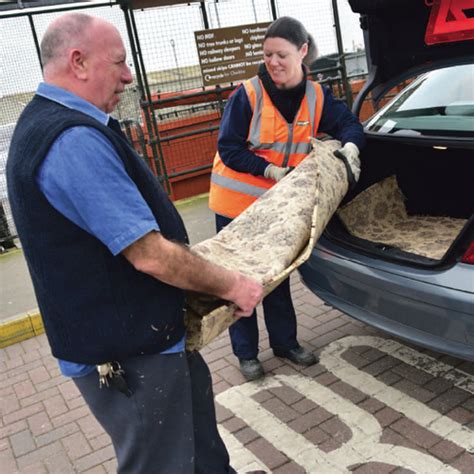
point(373, 405)
point(16, 290)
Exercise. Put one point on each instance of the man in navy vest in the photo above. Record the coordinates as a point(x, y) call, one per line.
point(106, 251)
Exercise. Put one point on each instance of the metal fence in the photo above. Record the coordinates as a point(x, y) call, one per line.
point(166, 113)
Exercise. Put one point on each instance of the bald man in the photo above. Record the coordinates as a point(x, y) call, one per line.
point(107, 255)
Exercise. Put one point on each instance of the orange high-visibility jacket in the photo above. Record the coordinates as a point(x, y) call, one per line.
point(271, 137)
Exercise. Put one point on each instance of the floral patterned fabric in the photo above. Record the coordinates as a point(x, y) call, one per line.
point(378, 214)
point(271, 238)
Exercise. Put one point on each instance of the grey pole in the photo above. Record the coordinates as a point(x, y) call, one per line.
point(340, 49)
point(254, 11)
point(178, 73)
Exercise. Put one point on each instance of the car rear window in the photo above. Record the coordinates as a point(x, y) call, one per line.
point(440, 102)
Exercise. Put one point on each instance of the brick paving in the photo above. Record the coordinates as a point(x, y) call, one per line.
point(45, 426)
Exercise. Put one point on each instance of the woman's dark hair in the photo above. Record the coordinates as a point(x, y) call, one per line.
point(293, 31)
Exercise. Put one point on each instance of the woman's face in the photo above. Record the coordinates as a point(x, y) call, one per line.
point(283, 61)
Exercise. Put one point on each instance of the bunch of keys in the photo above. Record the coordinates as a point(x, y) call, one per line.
point(111, 375)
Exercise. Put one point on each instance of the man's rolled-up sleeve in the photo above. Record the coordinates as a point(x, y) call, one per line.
point(85, 180)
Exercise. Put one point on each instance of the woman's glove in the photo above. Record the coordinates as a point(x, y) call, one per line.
point(276, 172)
point(349, 154)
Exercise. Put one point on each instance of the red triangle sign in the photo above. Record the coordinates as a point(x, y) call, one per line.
point(449, 22)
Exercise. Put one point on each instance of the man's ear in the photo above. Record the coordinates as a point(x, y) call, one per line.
point(78, 63)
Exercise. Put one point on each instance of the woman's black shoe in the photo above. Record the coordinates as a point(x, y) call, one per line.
point(299, 355)
point(251, 369)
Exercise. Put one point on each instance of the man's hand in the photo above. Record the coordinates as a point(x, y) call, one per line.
point(246, 293)
point(349, 154)
point(276, 172)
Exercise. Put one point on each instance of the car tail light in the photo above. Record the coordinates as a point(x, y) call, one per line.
point(468, 257)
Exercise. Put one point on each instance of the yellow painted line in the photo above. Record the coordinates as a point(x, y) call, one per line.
point(10, 252)
point(187, 201)
point(20, 328)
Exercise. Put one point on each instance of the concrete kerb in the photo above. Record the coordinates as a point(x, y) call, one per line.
point(27, 325)
point(21, 327)
point(192, 200)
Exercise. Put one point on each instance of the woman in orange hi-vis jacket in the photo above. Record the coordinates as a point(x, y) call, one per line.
point(265, 131)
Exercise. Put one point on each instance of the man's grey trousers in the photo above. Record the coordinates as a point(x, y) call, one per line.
point(169, 424)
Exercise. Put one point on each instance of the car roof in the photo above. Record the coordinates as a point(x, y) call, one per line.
point(405, 36)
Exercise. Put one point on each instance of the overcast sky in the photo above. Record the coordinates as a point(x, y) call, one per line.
point(167, 33)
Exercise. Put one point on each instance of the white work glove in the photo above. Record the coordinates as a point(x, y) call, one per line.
point(276, 172)
point(349, 154)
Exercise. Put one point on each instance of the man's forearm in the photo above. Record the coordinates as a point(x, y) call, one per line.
point(176, 265)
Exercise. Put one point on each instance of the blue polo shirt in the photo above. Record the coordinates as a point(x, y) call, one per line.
point(84, 179)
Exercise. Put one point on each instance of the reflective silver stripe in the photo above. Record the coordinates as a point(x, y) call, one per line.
point(236, 185)
point(254, 133)
point(300, 147)
point(277, 146)
point(289, 145)
point(311, 98)
point(280, 147)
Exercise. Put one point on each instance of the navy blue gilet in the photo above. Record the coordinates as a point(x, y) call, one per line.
point(95, 306)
